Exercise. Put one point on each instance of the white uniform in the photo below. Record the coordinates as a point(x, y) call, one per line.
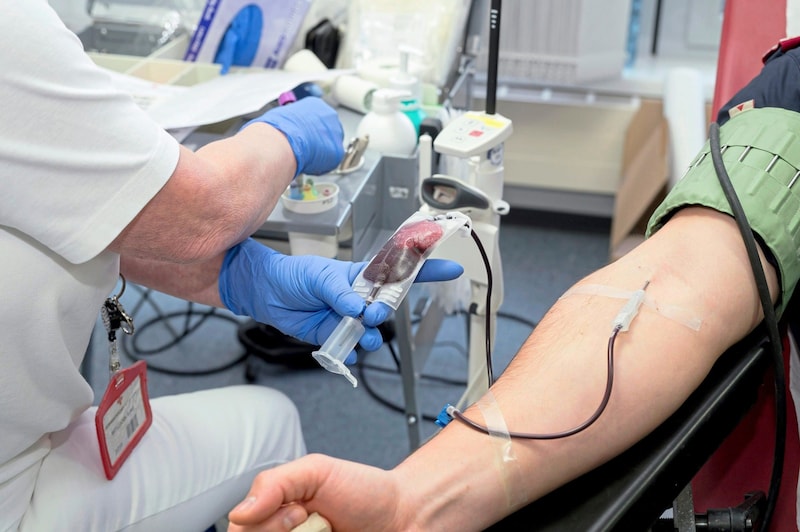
point(78, 161)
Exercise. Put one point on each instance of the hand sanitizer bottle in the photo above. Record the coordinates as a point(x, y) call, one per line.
point(390, 131)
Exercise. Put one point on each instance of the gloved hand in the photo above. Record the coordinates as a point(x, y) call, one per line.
point(240, 42)
point(313, 130)
point(305, 296)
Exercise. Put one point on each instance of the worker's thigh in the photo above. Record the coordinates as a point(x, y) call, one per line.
point(193, 465)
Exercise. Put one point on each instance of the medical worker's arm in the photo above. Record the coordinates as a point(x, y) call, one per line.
point(304, 296)
point(456, 481)
point(220, 194)
point(191, 241)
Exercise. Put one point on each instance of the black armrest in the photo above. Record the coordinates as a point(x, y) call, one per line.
point(631, 491)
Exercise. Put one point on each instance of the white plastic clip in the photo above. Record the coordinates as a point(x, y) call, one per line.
point(630, 310)
point(466, 227)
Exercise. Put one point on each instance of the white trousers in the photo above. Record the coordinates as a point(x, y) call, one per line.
point(794, 389)
point(193, 465)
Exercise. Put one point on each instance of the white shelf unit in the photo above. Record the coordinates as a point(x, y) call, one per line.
point(561, 41)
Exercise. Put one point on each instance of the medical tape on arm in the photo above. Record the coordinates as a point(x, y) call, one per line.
point(671, 312)
point(506, 461)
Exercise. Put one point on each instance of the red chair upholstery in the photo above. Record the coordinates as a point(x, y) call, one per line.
point(744, 461)
point(749, 29)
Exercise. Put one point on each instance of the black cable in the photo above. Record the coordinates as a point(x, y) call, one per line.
point(562, 434)
point(434, 378)
point(769, 318)
point(600, 409)
point(523, 435)
point(397, 369)
point(488, 309)
point(362, 365)
point(528, 435)
point(505, 315)
point(378, 397)
point(488, 348)
point(188, 328)
point(131, 343)
point(518, 319)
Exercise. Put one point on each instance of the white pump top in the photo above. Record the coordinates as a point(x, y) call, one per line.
point(403, 79)
point(386, 101)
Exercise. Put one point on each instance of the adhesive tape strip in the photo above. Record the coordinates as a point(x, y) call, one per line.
point(505, 457)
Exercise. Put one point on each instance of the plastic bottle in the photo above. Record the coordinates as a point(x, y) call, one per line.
point(390, 131)
point(403, 80)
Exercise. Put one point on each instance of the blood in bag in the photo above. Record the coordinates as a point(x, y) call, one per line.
point(401, 254)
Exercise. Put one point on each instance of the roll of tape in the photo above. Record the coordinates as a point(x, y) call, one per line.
point(304, 61)
point(354, 92)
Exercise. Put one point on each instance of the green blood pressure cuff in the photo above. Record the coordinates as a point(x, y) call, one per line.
point(761, 152)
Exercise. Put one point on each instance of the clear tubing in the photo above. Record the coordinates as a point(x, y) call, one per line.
point(338, 347)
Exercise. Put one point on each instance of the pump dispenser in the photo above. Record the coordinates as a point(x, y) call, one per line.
point(403, 80)
point(390, 131)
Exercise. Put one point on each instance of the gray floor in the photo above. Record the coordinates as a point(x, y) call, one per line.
point(542, 254)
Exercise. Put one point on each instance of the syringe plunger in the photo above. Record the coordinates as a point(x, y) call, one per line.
point(338, 347)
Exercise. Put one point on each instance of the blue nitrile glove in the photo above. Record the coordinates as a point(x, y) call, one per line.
point(313, 130)
point(240, 42)
point(304, 295)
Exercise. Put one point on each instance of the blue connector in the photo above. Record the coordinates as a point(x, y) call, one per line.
point(444, 416)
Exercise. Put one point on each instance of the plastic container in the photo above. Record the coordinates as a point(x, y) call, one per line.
point(353, 92)
point(327, 196)
point(390, 131)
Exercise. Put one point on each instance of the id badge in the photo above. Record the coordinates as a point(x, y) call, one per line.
point(123, 416)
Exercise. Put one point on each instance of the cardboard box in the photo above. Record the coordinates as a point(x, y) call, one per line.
point(645, 178)
point(564, 142)
point(645, 175)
